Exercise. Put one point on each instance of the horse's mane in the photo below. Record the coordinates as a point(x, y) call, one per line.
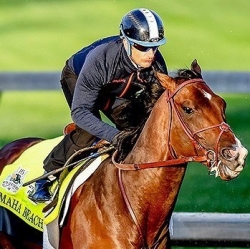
point(153, 90)
point(152, 93)
point(144, 104)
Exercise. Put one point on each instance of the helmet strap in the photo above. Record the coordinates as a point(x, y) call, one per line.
point(127, 47)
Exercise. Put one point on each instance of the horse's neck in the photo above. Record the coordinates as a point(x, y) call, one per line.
point(152, 144)
point(157, 189)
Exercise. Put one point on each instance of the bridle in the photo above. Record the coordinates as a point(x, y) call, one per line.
point(208, 157)
point(205, 158)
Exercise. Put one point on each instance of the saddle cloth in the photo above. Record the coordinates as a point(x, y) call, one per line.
point(14, 197)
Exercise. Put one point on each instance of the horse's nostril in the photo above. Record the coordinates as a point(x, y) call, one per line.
point(230, 154)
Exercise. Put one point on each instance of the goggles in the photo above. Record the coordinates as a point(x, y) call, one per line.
point(142, 48)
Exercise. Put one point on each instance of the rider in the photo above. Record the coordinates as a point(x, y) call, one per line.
point(96, 78)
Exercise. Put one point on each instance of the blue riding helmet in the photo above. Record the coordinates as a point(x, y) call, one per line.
point(143, 27)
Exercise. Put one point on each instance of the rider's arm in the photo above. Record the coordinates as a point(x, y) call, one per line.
point(85, 113)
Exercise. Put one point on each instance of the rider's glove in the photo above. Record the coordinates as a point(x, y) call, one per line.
point(124, 141)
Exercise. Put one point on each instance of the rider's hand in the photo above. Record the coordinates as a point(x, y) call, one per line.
point(124, 141)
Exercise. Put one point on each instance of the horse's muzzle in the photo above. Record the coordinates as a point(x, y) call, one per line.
point(231, 162)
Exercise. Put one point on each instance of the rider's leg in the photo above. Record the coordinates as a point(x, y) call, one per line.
point(71, 143)
point(68, 82)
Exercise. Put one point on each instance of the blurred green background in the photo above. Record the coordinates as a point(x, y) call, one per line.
point(42, 34)
point(38, 35)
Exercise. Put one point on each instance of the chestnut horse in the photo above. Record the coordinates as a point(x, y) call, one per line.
point(129, 204)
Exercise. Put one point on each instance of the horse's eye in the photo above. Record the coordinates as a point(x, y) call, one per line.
point(187, 110)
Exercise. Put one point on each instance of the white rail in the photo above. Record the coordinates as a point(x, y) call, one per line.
point(222, 229)
point(219, 81)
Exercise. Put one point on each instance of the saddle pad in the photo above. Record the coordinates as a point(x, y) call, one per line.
point(28, 166)
point(72, 181)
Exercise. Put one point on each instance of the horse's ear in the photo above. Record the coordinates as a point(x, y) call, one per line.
point(195, 67)
point(165, 80)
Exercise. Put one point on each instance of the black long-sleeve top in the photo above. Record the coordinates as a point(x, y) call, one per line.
point(103, 69)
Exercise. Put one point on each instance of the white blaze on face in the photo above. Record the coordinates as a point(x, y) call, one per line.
point(207, 95)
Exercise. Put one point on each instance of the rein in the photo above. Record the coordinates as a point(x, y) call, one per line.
point(168, 163)
point(205, 159)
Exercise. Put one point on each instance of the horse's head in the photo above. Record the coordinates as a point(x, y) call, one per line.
point(198, 121)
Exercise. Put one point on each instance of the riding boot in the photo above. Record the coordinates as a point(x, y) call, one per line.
point(41, 193)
